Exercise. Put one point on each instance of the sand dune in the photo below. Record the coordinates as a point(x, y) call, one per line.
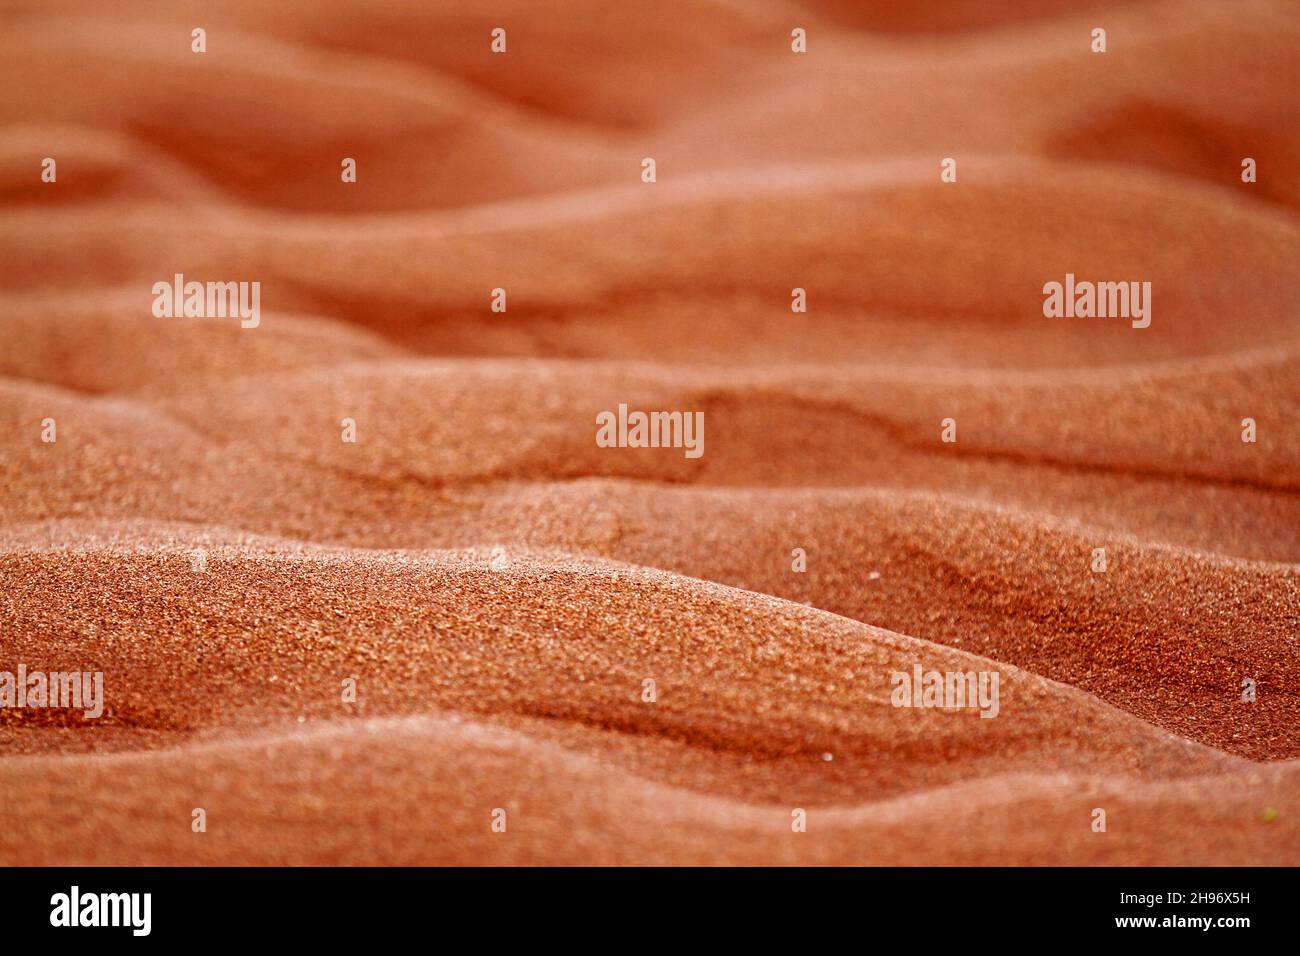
point(564, 807)
point(569, 640)
point(1162, 456)
point(922, 565)
point(498, 585)
point(610, 257)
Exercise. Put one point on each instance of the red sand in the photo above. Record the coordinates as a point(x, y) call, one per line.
point(498, 585)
